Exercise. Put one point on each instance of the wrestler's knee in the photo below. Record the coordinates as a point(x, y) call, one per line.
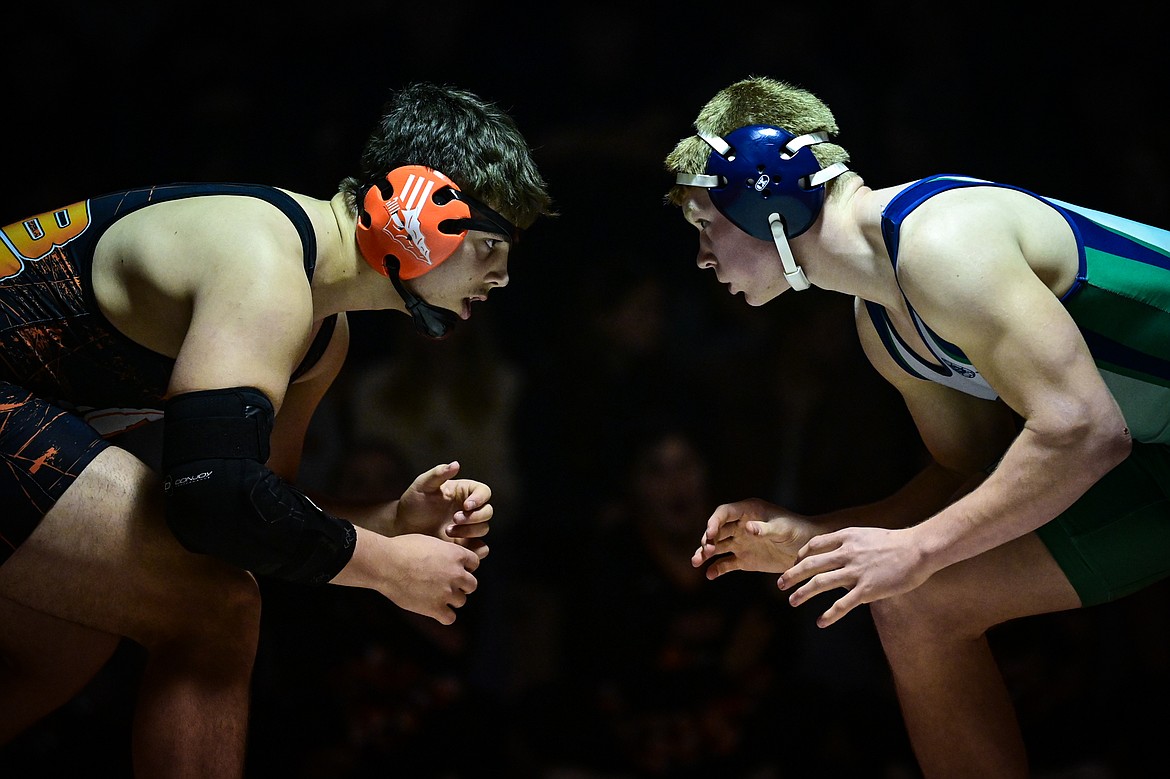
point(218, 612)
point(233, 605)
point(928, 612)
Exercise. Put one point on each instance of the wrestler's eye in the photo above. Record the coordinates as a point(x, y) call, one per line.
point(492, 243)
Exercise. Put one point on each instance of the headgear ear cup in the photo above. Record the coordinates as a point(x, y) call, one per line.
point(765, 170)
point(401, 217)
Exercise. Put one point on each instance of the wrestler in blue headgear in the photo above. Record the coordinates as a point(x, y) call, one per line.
point(767, 181)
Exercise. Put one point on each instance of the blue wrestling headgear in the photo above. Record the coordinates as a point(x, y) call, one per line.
point(769, 183)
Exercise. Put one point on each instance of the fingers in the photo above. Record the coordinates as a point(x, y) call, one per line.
point(830, 579)
point(432, 480)
point(822, 544)
point(461, 586)
point(698, 558)
point(821, 572)
point(722, 566)
point(721, 527)
point(470, 562)
point(480, 548)
point(723, 515)
point(470, 521)
point(471, 494)
point(477, 494)
point(721, 540)
point(468, 528)
point(477, 547)
point(467, 520)
point(722, 530)
point(708, 551)
point(813, 558)
point(839, 609)
point(813, 569)
point(704, 553)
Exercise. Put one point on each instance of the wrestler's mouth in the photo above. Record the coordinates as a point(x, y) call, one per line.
point(466, 312)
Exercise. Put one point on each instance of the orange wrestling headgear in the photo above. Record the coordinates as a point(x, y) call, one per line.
point(419, 217)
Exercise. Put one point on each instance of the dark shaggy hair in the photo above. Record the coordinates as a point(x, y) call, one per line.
point(451, 130)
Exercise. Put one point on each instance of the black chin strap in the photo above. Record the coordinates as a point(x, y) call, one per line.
point(431, 321)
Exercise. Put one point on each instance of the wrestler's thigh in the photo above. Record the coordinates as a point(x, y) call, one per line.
point(1017, 579)
point(30, 638)
point(103, 557)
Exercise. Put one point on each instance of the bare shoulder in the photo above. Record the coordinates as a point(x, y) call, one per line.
point(878, 199)
point(964, 239)
point(954, 220)
point(195, 233)
point(213, 253)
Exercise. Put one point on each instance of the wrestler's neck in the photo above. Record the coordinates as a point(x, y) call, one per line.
point(843, 251)
point(343, 280)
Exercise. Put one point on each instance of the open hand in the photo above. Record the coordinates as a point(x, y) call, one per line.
point(440, 505)
point(869, 563)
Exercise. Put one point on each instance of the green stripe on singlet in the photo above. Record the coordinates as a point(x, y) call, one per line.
point(1124, 312)
point(1127, 302)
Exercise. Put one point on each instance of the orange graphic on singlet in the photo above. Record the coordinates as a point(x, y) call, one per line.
point(44, 458)
point(34, 238)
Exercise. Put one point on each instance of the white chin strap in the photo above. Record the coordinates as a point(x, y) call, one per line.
point(793, 273)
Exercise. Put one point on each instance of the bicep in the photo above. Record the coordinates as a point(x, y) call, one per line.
point(1022, 340)
point(1033, 353)
point(247, 334)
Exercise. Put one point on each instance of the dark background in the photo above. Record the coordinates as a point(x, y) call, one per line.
point(100, 98)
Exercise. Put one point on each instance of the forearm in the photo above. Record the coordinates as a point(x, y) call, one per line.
point(1037, 479)
point(362, 569)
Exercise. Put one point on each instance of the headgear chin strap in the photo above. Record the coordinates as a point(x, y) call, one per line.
point(431, 321)
point(768, 182)
point(414, 220)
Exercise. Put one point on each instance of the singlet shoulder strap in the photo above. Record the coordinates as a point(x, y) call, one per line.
point(317, 348)
point(910, 198)
point(954, 368)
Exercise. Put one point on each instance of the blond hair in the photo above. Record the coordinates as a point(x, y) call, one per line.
point(754, 100)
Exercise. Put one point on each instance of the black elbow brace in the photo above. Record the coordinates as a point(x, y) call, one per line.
point(222, 500)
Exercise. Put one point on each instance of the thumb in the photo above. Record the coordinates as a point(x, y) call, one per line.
point(435, 478)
